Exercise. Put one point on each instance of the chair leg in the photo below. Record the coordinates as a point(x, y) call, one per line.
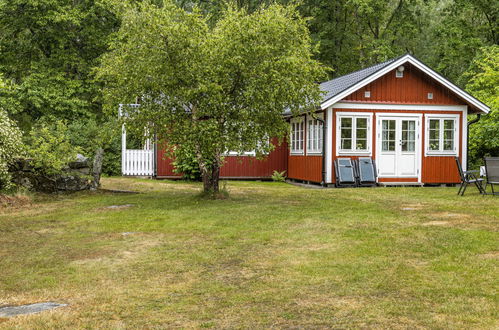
point(464, 188)
point(492, 187)
point(460, 187)
point(479, 187)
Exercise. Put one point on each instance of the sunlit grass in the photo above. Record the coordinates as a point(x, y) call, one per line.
point(270, 255)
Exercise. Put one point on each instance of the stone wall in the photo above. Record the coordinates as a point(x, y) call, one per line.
point(75, 177)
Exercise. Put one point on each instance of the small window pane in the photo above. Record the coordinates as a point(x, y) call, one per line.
point(346, 122)
point(346, 144)
point(361, 122)
point(434, 144)
point(346, 133)
point(361, 133)
point(448, 124)
point(361, 144)
point(448, 145)
point(434, 124)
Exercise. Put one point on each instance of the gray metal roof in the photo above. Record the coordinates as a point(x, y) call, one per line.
point(337, 85)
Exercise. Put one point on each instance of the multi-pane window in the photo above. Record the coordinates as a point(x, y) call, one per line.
point(441, 135)
point(354, 133)
point(388, 135)
point(314, 136)
point(297, 135)
point(408, 135)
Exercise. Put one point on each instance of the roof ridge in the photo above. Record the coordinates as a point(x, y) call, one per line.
point(369, 67)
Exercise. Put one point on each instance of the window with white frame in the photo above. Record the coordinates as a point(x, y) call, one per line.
point(314, 135)
point(297, 135)
point(442, 134)
point(354, 133)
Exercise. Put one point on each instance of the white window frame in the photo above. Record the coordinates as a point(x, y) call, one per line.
point(314, 134)
point(293, 141)
point(441, 151)
point(354, 116)
point(250, 153)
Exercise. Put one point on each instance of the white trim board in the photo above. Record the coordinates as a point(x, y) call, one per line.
point(407, 59)
point(413, 107)
point(329, 142)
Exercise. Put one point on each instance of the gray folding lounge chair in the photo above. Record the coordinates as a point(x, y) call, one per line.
point(468, 177)
point(345, 172)
point(492, 172)
point(366, 171)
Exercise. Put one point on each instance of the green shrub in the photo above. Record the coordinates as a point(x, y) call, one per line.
point(11, 146)
point(50, 147)
point(279, 176)
point(185, 163)
point(89, 134)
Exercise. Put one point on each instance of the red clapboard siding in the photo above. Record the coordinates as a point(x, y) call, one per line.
point(250, 167)
point(440, 170)
point(307, 168)
point(164, 167)
point(236, 166)
point(412, 88)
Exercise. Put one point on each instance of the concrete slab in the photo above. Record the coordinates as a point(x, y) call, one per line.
point(9, 311)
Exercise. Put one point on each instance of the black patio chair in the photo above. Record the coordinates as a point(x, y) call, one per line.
point(366, 171)
point(345, 173)
point(468, 177)
point(492, 173)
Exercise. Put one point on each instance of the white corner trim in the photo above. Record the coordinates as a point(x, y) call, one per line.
point(407, 59)
point(413, 107)
point(329, 143)
point(464, 151)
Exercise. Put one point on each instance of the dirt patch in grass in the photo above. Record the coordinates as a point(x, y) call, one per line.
point(136, 246)
point(412, 207)
point(490, 255)
point(436, 223)
point(115, 207)
point(14, 201)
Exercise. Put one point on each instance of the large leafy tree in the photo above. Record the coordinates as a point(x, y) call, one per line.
point(210, 89)
point(48, 50)
point(483, 83)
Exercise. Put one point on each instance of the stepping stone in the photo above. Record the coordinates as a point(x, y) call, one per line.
point(124, 206)
point(8, 311)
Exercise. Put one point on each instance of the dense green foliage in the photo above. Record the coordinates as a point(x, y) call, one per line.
point(484, 83)
point(10, 146)
point(212, 89)
point(50, 148)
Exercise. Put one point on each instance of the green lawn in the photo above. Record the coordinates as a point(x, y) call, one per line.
point(272, 255)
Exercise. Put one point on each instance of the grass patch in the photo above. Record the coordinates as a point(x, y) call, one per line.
point(269, 255)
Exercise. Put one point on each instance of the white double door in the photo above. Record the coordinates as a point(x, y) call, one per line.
point(398, 146)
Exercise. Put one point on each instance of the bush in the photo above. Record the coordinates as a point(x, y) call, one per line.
point(50, 148)
point(88, 134)
point(11, 146)
point(279, 176)
point(185, 163)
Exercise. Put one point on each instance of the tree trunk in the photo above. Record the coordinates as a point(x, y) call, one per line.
point(211, 178)
point(97, 168)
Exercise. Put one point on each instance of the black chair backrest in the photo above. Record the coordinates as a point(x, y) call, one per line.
point(366, 170)
point(492, 169)
point(345, 170)
point(460, 169)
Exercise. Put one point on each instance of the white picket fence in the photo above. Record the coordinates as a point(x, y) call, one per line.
point(138, 162)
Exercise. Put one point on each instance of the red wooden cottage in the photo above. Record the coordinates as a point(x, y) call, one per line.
point(408, 118)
